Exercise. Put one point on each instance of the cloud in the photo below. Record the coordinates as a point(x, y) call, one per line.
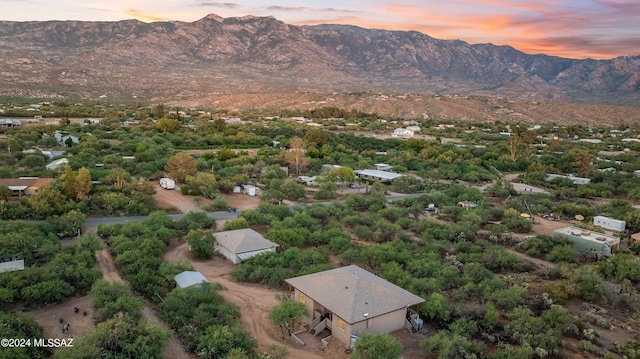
point(307, 9)
point(136, 14)
point(629, 7)
point(593, 28)
point(340, 20)
point(226, 5)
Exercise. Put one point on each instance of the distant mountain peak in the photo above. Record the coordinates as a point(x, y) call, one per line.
point(214, 17)
point(254, 54)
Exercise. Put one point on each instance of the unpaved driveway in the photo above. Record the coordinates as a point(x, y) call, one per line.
point(255, 303)
point(172, 198)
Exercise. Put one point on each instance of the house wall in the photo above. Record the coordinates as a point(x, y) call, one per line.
point(309, 304)
point(340, 332)
point(229, 255)
point(381, 324)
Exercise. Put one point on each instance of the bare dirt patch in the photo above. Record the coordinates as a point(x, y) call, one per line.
point(49, 318)
point(172, 198)
point(241, 201)
point(544, 226)
point(255, 303)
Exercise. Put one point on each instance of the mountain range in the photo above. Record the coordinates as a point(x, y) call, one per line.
point(215, 56)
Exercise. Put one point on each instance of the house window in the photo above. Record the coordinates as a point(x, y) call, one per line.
point(341, 324)
point(302, 298)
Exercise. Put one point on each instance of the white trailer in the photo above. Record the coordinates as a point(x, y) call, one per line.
point(250, 190)
point(609, 223)
point(167, 183)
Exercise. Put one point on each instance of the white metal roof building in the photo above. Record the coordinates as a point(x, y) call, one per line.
point(575, 180)
point(189, 278)
point(12, 266)
point(375, 175)
point(56, 164)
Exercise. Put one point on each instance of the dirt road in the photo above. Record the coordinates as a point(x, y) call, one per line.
point(174, 349)
point(255, 303)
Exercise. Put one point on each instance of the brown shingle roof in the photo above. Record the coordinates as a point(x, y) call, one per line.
point(351, 292)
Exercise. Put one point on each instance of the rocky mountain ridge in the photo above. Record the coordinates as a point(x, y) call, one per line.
point(186, 60)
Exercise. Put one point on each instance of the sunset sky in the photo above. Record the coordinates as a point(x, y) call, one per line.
point(569, 28)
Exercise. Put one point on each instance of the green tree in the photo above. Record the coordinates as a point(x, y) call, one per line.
point(294, 191)
point(120, 337)
point(344, 175)
point(633, 221)
point(220, 124)
point(237, 223)
point(118, 177)
point(68, 182)
point(112, 298)
point(70, 223)
point(447, 345)
point(218, 341)
point(286, 313)
point(202, 243)
point(564, 253)
point(20, 326)
point(5, 192)
point(203, 184)
point(436, 307)
point(314, 137)
point(83, 184)
point(327, 190)
point(49, 291)
point(382, 346)
point(274, 193)
point(168, 124)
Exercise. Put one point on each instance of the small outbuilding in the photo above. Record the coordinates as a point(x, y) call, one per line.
point(11, 266)
point(57, 164)
point(189, 279)
point(241, 244)
point(467, 204)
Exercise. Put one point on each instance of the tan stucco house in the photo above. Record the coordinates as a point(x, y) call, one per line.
point(350, 300)
point(241, 244)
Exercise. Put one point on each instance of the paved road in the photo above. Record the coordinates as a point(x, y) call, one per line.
point(94, 221)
